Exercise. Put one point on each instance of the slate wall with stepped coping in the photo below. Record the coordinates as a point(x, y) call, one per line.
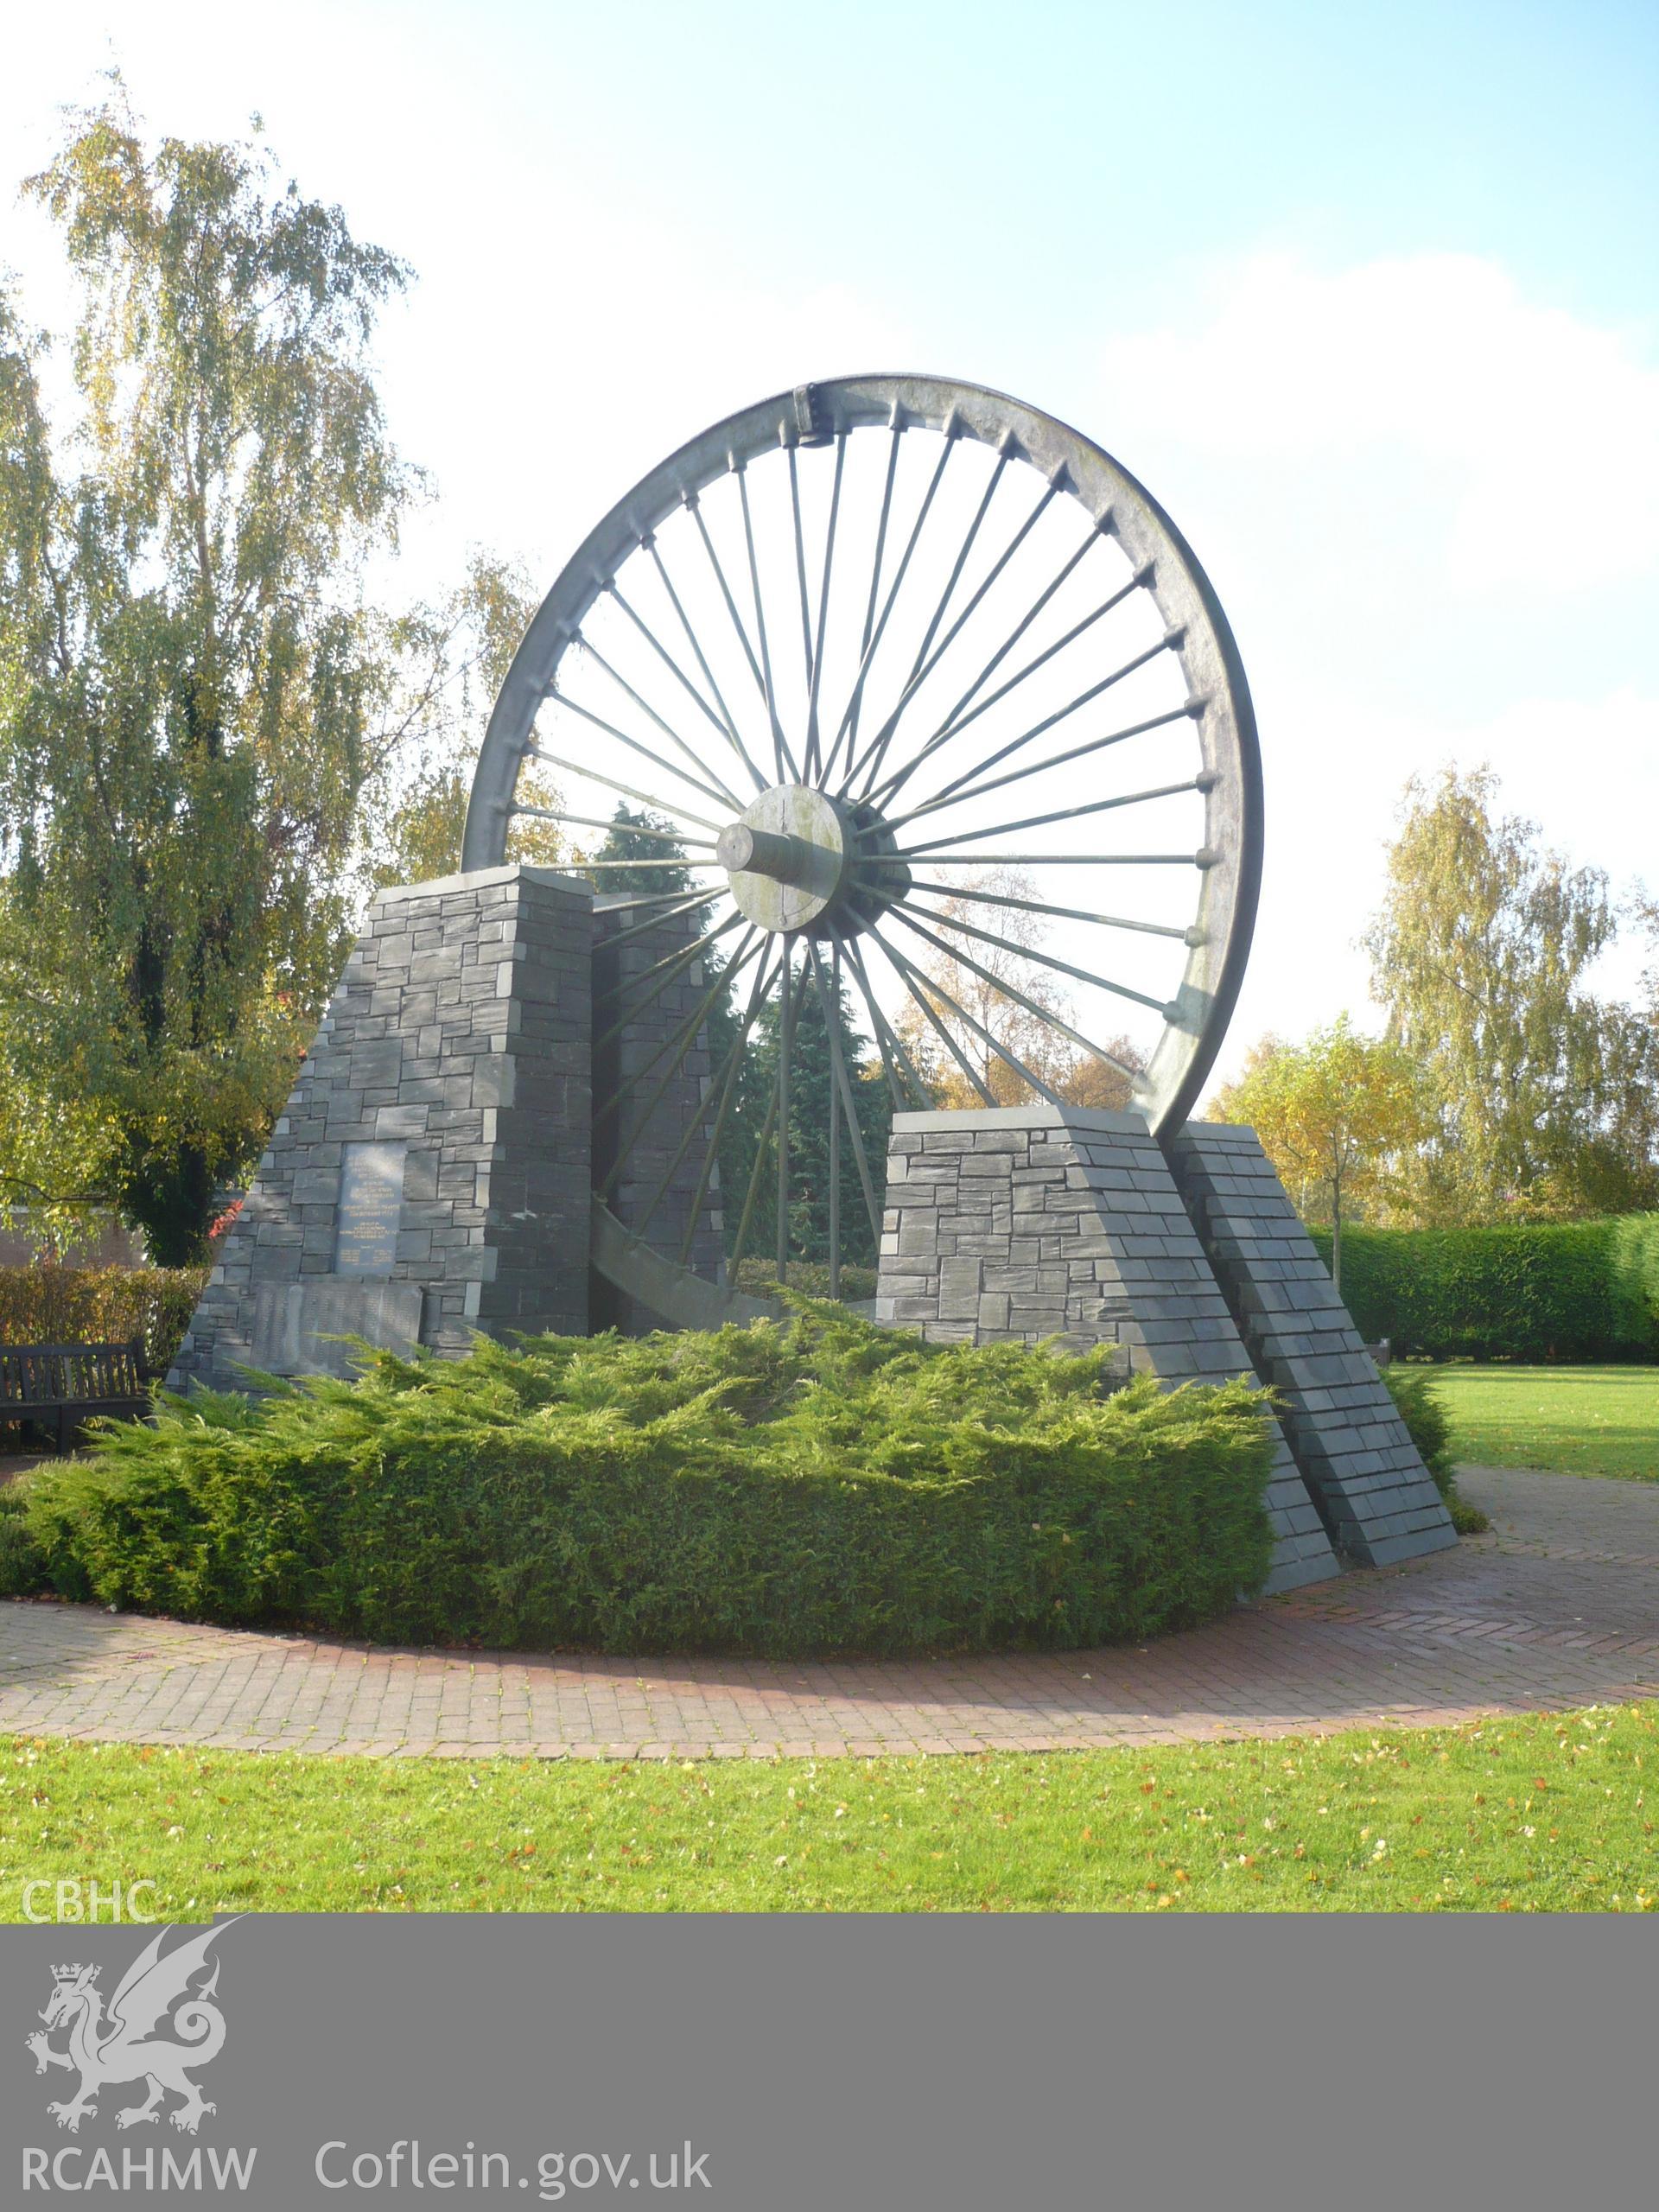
point(1377, 1500)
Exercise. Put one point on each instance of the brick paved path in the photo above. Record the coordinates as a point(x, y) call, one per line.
point(1558, 1607)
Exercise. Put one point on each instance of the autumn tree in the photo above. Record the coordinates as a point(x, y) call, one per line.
point(204, 721)
point(1336, 1115)
point(442, 664)
point(1546, 1095)
point(1002, 995)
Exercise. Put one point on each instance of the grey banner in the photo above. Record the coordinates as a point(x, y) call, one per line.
point(786, 2065)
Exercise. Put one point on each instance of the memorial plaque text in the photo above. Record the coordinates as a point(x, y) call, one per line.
point(371, 1208)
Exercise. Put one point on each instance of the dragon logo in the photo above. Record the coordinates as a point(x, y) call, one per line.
point(121, 2046)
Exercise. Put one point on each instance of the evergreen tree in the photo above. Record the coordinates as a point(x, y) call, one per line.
point(811, 1073)
point(636, 835)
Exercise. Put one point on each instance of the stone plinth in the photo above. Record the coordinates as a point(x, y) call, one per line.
point(447, 1101)
point(1041, 1221)
point(1377, 1498)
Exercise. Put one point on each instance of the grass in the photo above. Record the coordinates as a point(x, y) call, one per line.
point(1577, 1420)
point(1540, 1813)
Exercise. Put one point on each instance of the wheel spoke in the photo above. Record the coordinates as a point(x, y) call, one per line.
point(1057, 913)
point(671, 663)
point(780, 744)
point(618, 903)
point(737, 623)
point(627, 1007)
point(890, 1044)
point(873, 645)
point(896, 431)
point(644, 929)
point(800, 569)
point(838, 1069)
point(720, 795)
point(596, 821)
point(962, 789)
point(587, 868)
point(884, 736)
point(1011, 991)
point(1114, 601)
point(785, 1042)
point(1061, 714)
point(835, 1143)
point(728, 1091)
point(1205, 858)
point(680, 1038)
point(1061, 814)
point(727, 719)
point(932, 989)
point(728, 1068)
point(814, 765)
point(646, 799)
point(1050, 494)
point(947, 728)
point(645, 707)
point(1039, 958)
point(753, 1191)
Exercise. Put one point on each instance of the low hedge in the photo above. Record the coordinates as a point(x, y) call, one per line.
point(816, 1485)
point(49, 1304)
point(1579, 1291)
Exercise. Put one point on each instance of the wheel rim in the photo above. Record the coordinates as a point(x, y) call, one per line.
point(887, 690)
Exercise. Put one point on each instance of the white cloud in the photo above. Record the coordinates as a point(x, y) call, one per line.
point(1531, 435)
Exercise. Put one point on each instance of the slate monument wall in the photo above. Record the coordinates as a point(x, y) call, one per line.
point(430, 1176)
point(1041, 1221)
point(1378, 1499)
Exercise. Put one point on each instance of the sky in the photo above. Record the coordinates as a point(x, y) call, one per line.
point(1367, 296)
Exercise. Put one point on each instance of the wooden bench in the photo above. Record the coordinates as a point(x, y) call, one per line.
point(66, 1383)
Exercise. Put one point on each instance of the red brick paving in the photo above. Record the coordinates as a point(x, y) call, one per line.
point(1559, 1607)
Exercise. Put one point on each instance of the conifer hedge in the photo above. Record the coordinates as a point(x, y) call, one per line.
point(817, 1486)
point(1568, 1291)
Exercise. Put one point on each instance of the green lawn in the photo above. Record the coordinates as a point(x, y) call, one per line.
point(1580, 1420)
point(1542, 1813)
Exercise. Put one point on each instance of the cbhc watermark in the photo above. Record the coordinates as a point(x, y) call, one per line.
point(69, 1901)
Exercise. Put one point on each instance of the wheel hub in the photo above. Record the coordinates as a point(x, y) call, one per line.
point(797, 860)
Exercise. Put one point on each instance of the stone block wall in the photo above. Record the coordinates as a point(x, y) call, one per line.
point(461, 1030)
point(1375, 1496)
point(1038, 1221)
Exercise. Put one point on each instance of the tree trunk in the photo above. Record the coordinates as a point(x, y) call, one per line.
point(1336, 1237)
point(171, 1200)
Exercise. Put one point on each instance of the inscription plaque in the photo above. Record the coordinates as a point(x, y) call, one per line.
point(371, 1208)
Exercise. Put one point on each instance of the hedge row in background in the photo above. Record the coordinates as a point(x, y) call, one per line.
point(1417, 1400)
point(1573, 1291)
point(819, 1485)
point(810, 1277)
point(48, 1304)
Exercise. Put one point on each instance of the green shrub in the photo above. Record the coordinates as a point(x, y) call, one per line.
point(22, 1566)
point(818, 1486)
point(1418, 1402)
point(49, 1304)
point(1580, 1291)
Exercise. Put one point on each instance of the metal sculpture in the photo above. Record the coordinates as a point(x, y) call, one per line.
point(893, 650)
